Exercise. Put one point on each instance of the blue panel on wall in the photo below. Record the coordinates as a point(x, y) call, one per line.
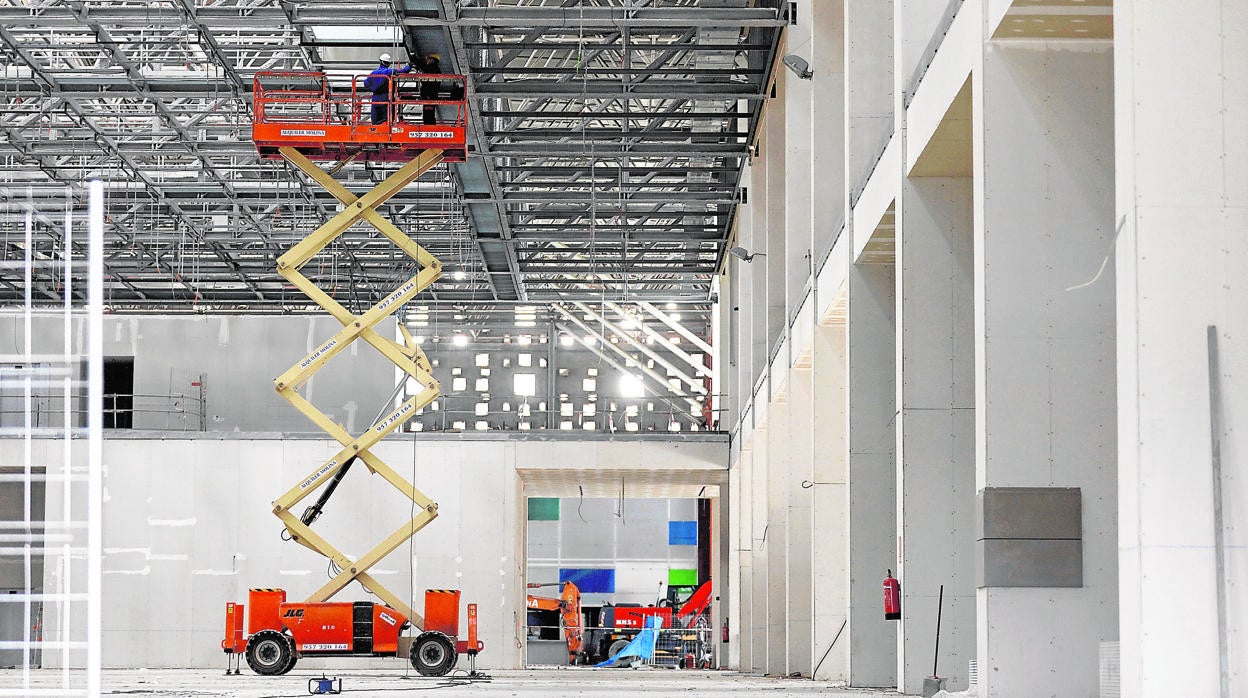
point(589, 581)
point(682, 532)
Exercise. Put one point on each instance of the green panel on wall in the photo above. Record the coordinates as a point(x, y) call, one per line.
point(543, 508)
point(681, 578)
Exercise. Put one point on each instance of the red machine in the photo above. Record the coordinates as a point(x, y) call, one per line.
point(328, 119)
point(892, 598)
point(687, 615)
point(279, 633)
point(620, 624)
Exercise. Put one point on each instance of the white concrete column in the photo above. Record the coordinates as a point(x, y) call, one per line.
point(830, 517)
point(1045, 381)
point(1181, 85)
point(935, 427)
point(778, 178)
point(870, 441)
point(799, 175)
point(868, 85)
point(872, 475)
point(740, 620)
point(760, 556)
point(756, 270)
point(750, 290)
point(826, 53)
point(799, 534)
point(722, 542)
point(775, 535)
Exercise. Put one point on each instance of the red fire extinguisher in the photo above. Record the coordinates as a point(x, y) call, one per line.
point(892, 598)
point(725, 633)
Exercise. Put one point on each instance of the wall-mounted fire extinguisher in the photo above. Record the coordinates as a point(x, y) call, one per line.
point(725, 633)
point(892, 598)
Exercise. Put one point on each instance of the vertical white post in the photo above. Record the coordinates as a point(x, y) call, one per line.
point(27, 435)
point(64, 588)
point(95, 424)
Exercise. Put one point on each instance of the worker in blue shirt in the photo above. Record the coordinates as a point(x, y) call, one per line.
point(378, 83)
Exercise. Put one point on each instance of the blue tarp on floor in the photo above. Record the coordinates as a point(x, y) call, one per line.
point(642, 646)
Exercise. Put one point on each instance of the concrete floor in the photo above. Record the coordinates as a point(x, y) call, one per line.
point(533, 682)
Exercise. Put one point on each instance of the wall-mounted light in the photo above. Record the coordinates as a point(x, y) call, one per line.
point(744, 254)
point(798, 65)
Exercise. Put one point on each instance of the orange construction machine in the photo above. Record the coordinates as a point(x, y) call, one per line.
point(568, 605)
point(279, 632)
point(305, 118)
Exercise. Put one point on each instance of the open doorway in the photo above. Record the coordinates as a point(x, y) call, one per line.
point(598, 568)
point(119, 392)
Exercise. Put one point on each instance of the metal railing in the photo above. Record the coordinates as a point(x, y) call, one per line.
point(47, 410)
point(456, 409)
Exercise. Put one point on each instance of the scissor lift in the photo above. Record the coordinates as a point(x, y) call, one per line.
point(304, 118)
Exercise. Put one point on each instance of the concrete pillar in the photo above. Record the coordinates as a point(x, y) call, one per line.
point(935, 427)
point(724, 585)
point(914, 23)
point(1045, 379)
point(741, 564)
point(752, 280)
point(826, 54)
point(800, 535)
point(799, 175)
point(870, 363)
point(872, 479)
point(868, 85)
point(1181, 85)
point(775, 535)
point(830, 504)
point(778, 176)
point(760, 557)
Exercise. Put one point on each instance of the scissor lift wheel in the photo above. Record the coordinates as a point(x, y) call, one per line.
point(270, 653)
point(433, 654)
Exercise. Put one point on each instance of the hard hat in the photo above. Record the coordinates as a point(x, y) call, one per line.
point(385, 58)
point(436, 56)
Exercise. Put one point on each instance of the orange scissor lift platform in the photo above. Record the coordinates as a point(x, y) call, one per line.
point(326, 117)
point(307, 117)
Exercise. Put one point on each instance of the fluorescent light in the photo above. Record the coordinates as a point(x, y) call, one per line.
point(566, 340)
point(460, 340)
point(631, 386)
point(460, 275)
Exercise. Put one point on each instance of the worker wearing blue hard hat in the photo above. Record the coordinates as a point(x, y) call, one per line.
point(378, 83)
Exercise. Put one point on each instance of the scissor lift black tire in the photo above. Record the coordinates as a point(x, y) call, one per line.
point(270, 653)
point(433, 654)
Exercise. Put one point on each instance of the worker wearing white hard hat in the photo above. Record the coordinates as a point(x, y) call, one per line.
point(380, 85)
